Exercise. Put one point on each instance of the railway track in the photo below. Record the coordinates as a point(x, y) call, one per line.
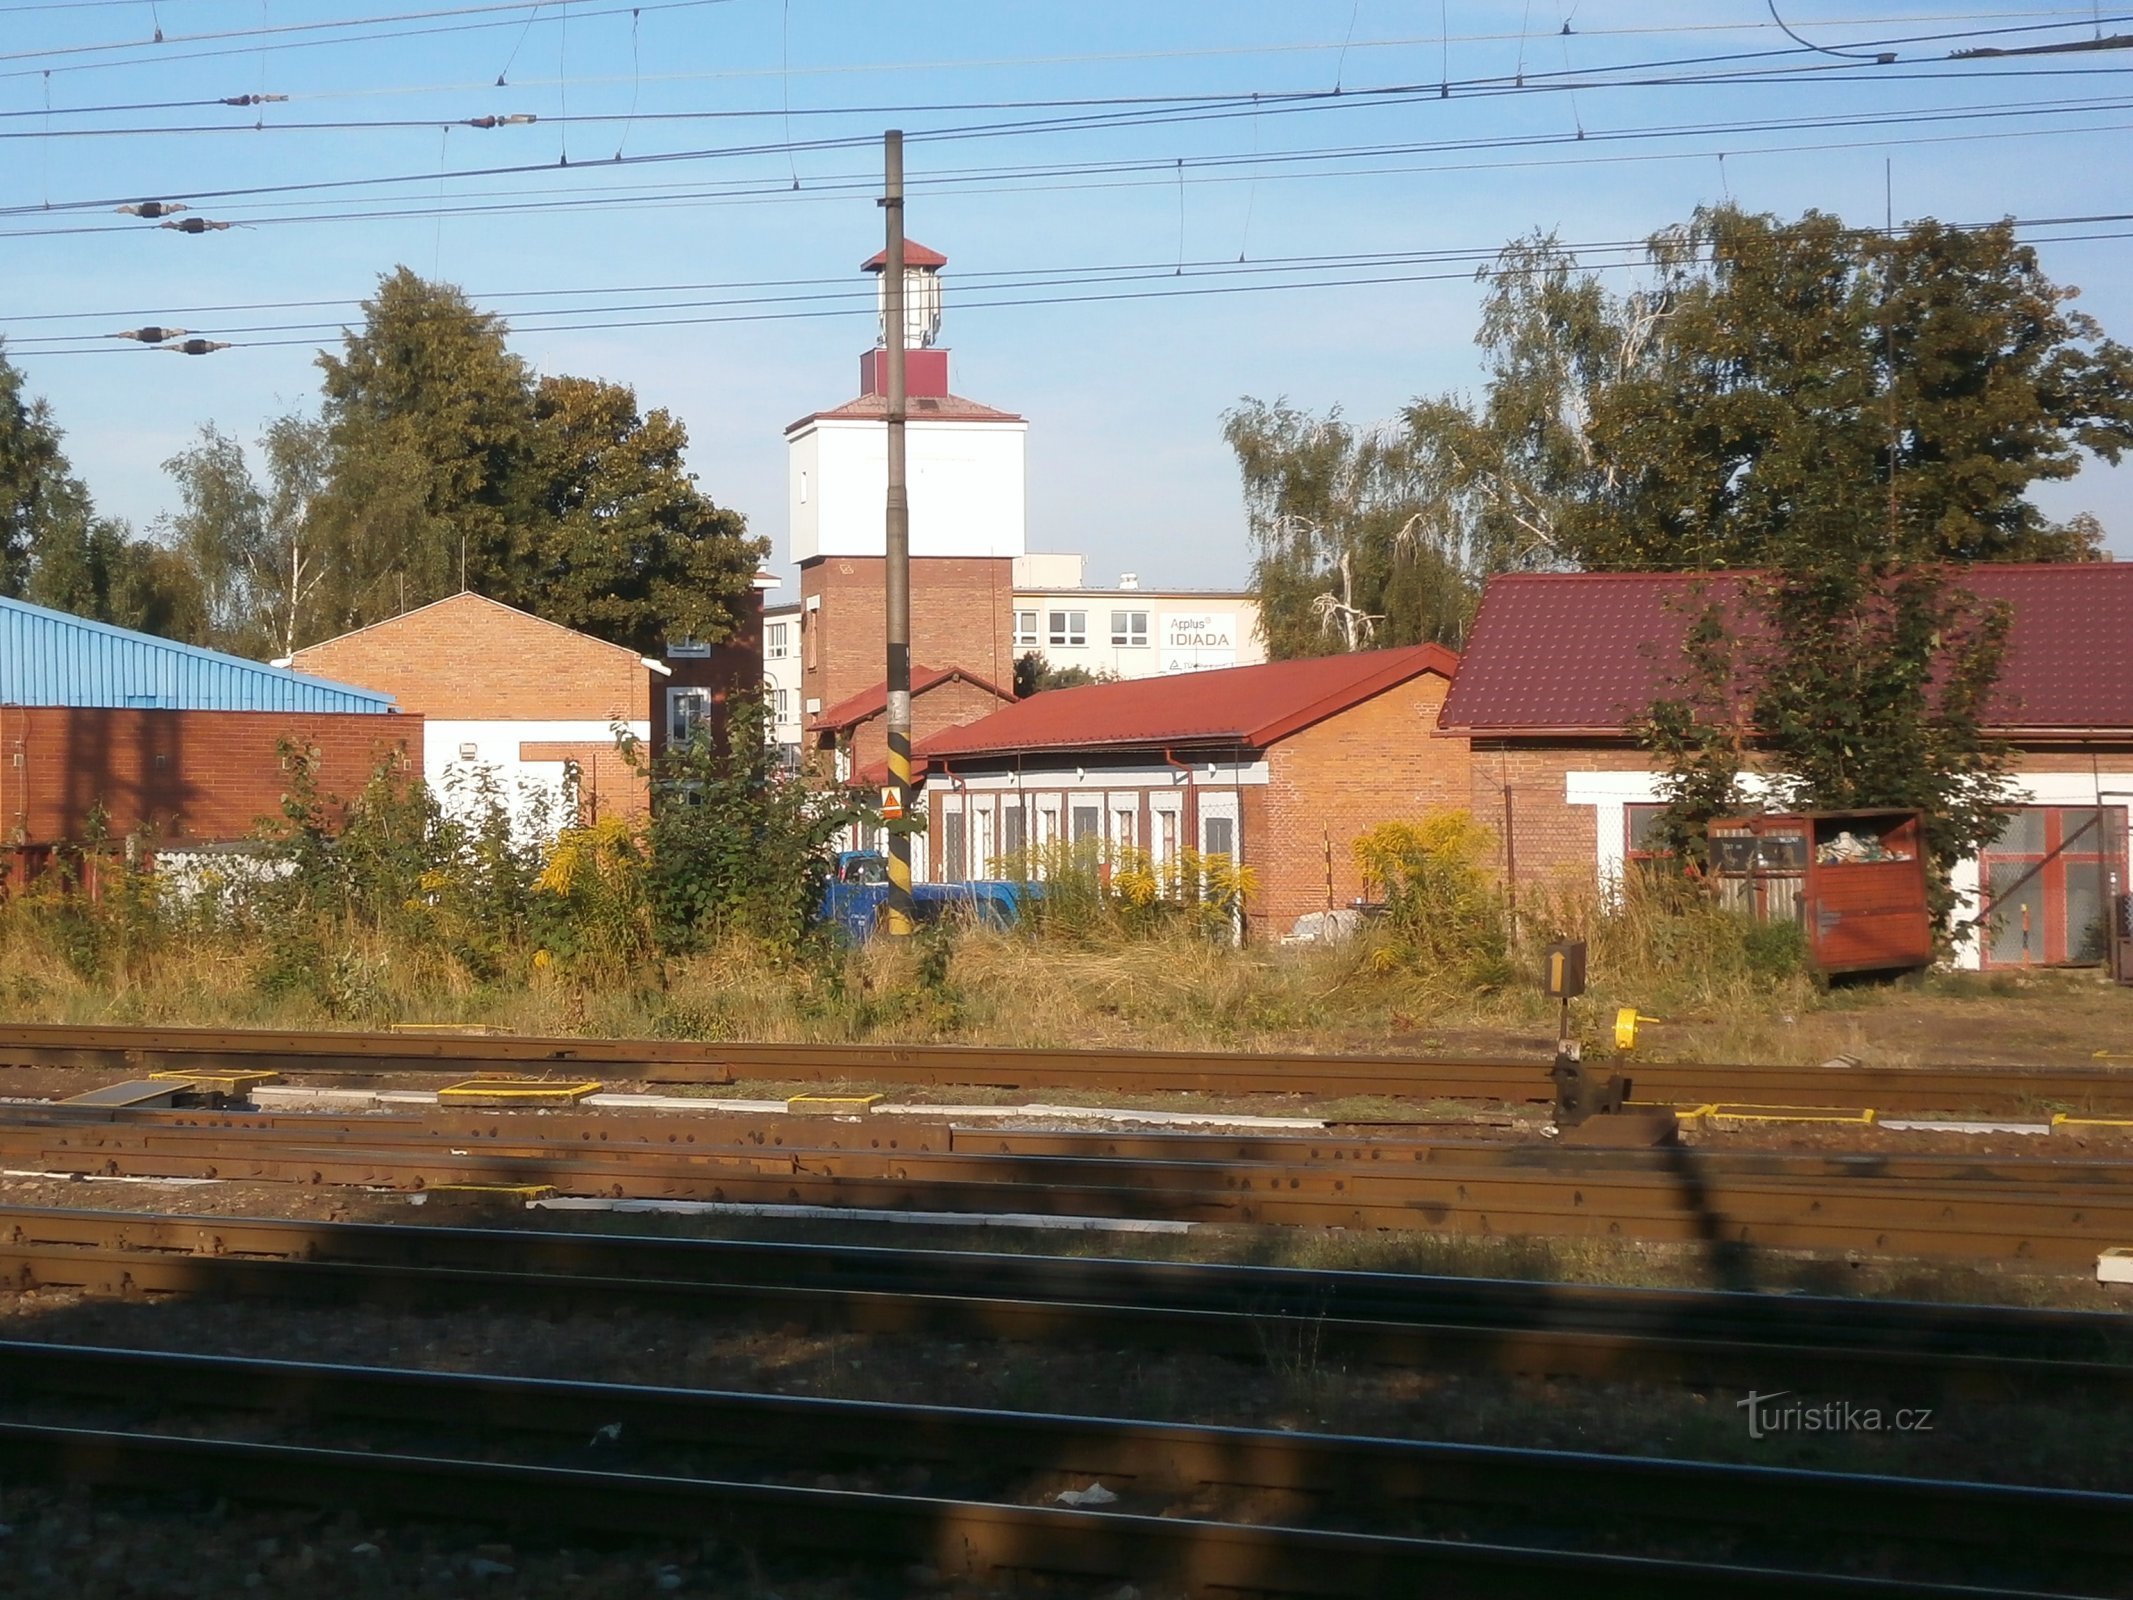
point(2049, 1213)
point(2096, 1091)
point(716, 1449)
point(1906, 1352)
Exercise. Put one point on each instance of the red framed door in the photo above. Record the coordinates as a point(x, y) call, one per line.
point(2046, 881)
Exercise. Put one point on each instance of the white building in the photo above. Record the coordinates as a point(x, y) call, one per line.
point(781, 677)
point(1129, 631)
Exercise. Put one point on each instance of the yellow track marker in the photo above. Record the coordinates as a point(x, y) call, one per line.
point(515, 1091)
point(831, 1105)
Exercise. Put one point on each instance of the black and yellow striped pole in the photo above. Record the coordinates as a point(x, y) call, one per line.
point(897, 581)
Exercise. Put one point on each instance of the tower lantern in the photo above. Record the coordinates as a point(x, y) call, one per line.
point(922, 295)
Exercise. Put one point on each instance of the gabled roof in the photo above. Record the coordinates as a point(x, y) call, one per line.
point(857, 708)
point(1249, 706)
point(918, 408)
point(467, 600)
point(53, 658)
point(1588, 652)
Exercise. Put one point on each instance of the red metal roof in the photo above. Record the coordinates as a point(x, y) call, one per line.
point(918, 408)
point(857, 708)
point(1588, 652)
point(1252, 706)
point(915, 255)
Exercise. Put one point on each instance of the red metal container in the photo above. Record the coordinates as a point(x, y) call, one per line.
point(1855, 882)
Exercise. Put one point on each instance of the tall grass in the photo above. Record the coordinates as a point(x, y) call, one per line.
point(389, 912)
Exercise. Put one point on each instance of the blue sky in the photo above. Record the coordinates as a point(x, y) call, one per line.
point(1125, 396)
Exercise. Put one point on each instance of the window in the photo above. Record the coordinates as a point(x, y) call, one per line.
point(1088, 823)
point(1014, 831)
point(1026, 628)
point(1166, 836)
point(955, 853)
point(1220, 834)
point(1069, 627)
point(687, 711)
point(2047, 884)
point(1122, 829)
point(784, 704)
point(1129, 627)
point(1640, 829)
point(775, 637)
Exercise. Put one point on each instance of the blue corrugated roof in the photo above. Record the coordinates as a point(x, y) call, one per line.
point(50, 658)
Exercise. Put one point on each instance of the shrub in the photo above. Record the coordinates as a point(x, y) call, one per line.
point(1444, 911)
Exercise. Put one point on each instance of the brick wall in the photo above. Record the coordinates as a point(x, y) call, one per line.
point(1548, 837)
point(1380, 761)
point(471, 659)
point(735, 666)
point(962, 615)
point(188, 775)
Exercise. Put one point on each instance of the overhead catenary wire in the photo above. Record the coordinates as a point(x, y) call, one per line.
point(778, 191)
point(809, 297)
point(1912, 117)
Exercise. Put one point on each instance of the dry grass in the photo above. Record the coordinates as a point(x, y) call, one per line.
point(1718, 997)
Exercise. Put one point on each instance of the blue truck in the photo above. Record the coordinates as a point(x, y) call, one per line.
point(858, 889)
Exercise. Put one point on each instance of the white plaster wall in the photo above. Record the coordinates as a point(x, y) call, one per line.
point(496, 746)
point(966, 482)
point(1609, 792)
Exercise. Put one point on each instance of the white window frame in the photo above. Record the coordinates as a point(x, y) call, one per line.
point(1027, 634)
point(776, 642)
point(1067, 627)
point(1129, 628)
point(681, 723)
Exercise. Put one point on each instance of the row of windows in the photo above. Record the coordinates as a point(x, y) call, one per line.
point(1072, 627)
point(970, 847)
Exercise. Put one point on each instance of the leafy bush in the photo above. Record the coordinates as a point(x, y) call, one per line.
point(737, 845)
point(1444, 911)
point(1090, 890)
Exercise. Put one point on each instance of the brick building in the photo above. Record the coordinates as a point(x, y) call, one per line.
point(701, 678)
point(505, 691)
point(166, 740)
point(1558, 666)
point(852, 736)
point(1279, 766)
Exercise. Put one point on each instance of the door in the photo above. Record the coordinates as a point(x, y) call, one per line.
point(2046, 881)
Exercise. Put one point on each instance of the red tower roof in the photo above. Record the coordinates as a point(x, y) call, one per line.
point(915, 255)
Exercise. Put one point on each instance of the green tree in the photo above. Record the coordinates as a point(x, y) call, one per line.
point(220, 535)
point(439, 463)
point(1807, 389)
point(428, 419)
point(1034, 675)
point(624, 544)
point(1345, 557)
point(31, 467)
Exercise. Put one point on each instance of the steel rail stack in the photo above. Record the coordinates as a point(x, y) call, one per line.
point(2101, 1090)
point(2054, 1214)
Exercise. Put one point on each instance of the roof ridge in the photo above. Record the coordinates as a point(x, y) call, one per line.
point(487, 600)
